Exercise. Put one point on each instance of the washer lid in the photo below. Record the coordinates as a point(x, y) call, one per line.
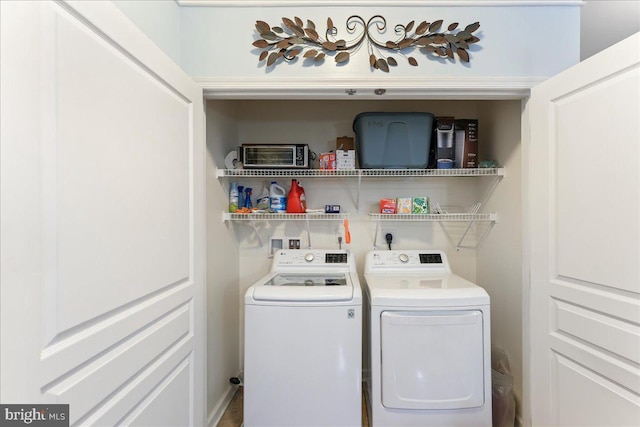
point(422, 290)
point(305, 287)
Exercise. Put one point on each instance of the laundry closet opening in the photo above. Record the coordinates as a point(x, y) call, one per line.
point(490, 253)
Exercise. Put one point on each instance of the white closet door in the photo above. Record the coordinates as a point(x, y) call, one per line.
point(584, 206)
point(102, 219)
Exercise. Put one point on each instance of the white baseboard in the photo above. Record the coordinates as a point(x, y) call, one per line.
point(216, 414)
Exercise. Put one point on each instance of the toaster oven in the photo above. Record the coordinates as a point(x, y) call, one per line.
point(273, 156)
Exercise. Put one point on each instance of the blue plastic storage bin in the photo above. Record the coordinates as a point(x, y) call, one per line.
point(393, 140)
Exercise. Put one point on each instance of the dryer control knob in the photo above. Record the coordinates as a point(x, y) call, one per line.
point(404, 258)
point(309, 257)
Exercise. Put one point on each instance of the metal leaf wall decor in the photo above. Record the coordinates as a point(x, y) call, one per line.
point(295, 39)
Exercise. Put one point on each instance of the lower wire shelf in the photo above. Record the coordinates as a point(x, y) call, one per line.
point(468, 217)
point(264, 216)
point(253, 218)
point(463, 217)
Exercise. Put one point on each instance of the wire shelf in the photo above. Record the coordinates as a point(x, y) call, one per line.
point(462, 217)
point(432, 172)
point(286, 173)
point(227, 216)
point(319, 173)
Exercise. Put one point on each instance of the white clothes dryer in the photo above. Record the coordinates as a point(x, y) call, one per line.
point(429, 352)
point(303, 342)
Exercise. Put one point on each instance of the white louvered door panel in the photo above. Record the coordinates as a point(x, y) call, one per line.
point(102, 219)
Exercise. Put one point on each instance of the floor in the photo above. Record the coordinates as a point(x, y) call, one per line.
point(232, 416)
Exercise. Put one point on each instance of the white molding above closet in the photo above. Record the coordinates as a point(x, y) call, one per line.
point(385, 3)
point(374, 88)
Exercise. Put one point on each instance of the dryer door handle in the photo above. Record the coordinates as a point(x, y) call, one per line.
point(434, 318)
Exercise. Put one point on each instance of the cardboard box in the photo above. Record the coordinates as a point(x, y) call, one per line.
point(327, 161)
point(466, 143)
point(387, 206)
point(345, 143)
point(403, 205)
point(420, 205)
point(345, 159)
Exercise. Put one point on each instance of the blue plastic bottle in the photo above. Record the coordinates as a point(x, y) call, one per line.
point(247, 198)
point(240, 196)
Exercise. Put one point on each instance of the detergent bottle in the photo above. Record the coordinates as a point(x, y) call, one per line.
point(277, 198)
point(295, 199)
point(303, 198)
point(262, 202)
point(233, 197)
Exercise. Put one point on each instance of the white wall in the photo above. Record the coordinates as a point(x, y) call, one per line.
point(604, 23)
point(518, 41)
point(223, 329)
point(159, 19)
point(499, 265)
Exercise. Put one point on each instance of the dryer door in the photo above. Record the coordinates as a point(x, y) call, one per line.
point(432, 359)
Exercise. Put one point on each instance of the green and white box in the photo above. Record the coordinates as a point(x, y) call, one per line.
point(420, 205)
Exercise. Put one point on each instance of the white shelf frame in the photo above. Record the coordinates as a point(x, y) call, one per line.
point(267, 216)
point(319, 173)
point(359, 174)
point(468, 217)
point(448, 217)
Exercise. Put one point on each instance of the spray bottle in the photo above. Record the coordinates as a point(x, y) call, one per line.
point(247, 198)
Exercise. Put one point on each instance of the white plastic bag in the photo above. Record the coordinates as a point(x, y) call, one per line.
point(503, 398)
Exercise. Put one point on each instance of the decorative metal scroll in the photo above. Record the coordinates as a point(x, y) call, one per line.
point(295, 39)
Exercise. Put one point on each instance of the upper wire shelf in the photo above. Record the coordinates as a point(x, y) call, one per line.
point(358, 172)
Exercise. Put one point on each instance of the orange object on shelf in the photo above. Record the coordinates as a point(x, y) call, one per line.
point(347, 233)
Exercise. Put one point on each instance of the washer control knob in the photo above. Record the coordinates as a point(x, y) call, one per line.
point(309, 257)
point(404, 258)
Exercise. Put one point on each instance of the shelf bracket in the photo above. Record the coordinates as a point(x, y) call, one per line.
point(474, 211)
point(255, 230)
point(358, 192)
point(308, 232)
point(375, 236)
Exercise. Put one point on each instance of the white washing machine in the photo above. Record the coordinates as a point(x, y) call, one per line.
point(303, 342)
point(429, 361)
